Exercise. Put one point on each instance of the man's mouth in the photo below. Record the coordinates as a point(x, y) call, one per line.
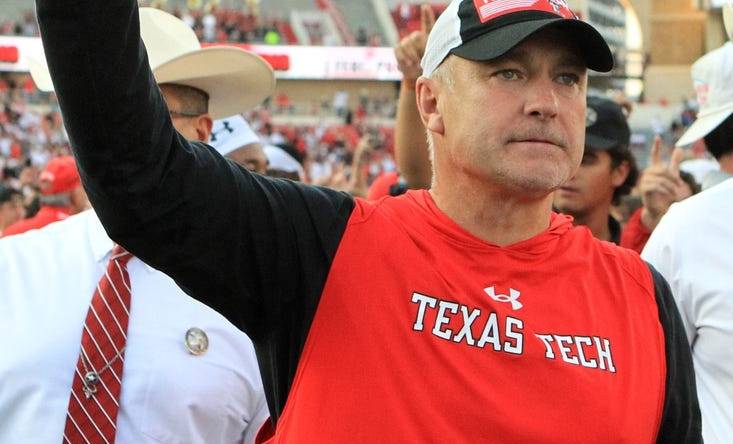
point(537, 141)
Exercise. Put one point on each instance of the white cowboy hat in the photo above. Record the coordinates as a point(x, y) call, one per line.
point(235, 80)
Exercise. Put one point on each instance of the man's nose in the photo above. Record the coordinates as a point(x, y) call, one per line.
point(541, 100)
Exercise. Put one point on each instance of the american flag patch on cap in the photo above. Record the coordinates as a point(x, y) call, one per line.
point(490, 9)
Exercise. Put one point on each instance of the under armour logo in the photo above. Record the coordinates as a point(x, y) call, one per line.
point(512, 298)
point(226, 128)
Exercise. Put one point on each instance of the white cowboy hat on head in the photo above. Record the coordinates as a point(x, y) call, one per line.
point(235, 80)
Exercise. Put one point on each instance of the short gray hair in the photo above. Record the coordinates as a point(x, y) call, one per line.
point(443, 74)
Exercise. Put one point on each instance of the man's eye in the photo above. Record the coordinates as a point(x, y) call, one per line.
point(568, 79)
point(508, 74)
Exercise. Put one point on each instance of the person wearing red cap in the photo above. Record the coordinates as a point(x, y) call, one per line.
point(470, 313)
point(61, 196)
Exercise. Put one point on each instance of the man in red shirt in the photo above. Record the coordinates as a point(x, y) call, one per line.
point(464, 314)
point(61, 196)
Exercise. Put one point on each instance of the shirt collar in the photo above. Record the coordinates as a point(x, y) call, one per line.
point(101, 243)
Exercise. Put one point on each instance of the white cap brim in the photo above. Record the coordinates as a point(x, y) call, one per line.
point(232, 133)
point(279, 159)
point(704, 124)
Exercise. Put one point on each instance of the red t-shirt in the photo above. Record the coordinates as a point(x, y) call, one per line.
point(635, 234)
point(442, 337)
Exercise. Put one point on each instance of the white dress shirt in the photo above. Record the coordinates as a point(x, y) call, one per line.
point(47, 279)
point(692, 247)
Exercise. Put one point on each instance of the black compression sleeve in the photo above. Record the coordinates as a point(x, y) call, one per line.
point(681, 421)
point(255, 249)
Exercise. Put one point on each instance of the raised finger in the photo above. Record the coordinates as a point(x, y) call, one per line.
point(411, 51)
point(656, 154)
point(427, 18)
point(399, 53)
point(678, 154)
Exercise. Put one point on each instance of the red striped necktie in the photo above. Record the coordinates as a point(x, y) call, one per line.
point(95, 391)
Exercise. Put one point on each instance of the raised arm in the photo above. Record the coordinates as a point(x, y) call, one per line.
point(230, 238)
point(257, 250)
point(411, 147)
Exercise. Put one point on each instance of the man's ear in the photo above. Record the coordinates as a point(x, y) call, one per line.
point(427, 94)
point(204, 124)
point(620, 173)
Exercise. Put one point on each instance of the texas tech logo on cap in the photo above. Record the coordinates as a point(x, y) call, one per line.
point(702, 90)
point(491, 9)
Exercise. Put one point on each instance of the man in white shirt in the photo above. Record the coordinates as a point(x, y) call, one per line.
point(189, 375)
point(168, 394)
point(692, 247)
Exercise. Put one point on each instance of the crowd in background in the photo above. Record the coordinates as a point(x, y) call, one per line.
point(29, 137)
point(25, 27)
point(218, 24)
point(213, 24)
point(32, 132)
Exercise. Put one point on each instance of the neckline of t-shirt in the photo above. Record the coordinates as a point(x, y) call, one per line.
point(451, 231)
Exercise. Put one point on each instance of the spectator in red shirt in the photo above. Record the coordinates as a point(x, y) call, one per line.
point(61, 196)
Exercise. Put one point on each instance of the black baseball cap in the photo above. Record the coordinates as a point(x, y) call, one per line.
point(483, 30)
point(606, 126)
